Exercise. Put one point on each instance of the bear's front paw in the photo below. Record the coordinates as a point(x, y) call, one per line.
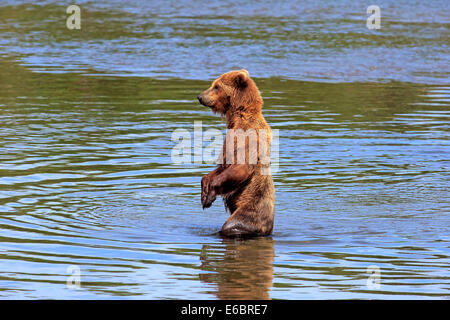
point(205, 187)
point(209, 199)
point(208, 194)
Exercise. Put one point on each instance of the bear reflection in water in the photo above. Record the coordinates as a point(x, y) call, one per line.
point(241, 268)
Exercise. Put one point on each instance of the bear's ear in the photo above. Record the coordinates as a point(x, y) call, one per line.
point(241, 78)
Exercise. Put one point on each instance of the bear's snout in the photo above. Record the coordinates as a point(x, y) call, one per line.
point(204, 101)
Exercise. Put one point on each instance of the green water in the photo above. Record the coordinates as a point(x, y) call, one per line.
point(87, 179)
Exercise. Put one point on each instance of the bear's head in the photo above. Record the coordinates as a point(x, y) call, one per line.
point(232, 92)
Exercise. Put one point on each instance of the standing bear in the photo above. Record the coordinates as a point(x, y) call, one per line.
point(243, 175)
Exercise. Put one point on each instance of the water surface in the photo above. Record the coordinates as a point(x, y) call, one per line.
point(87, 179)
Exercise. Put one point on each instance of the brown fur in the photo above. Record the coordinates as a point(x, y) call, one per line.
point(247, 190)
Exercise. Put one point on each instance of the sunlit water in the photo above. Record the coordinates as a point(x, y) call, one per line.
point(87, 179)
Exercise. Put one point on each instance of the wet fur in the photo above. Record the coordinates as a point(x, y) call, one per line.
point(248, 194)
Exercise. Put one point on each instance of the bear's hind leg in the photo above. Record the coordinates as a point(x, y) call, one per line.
point(239, 225)
point(237, 229)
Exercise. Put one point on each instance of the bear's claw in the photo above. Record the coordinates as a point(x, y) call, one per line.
point(208, 194)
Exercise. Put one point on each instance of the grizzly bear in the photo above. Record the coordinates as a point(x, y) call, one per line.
point(243, 176)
